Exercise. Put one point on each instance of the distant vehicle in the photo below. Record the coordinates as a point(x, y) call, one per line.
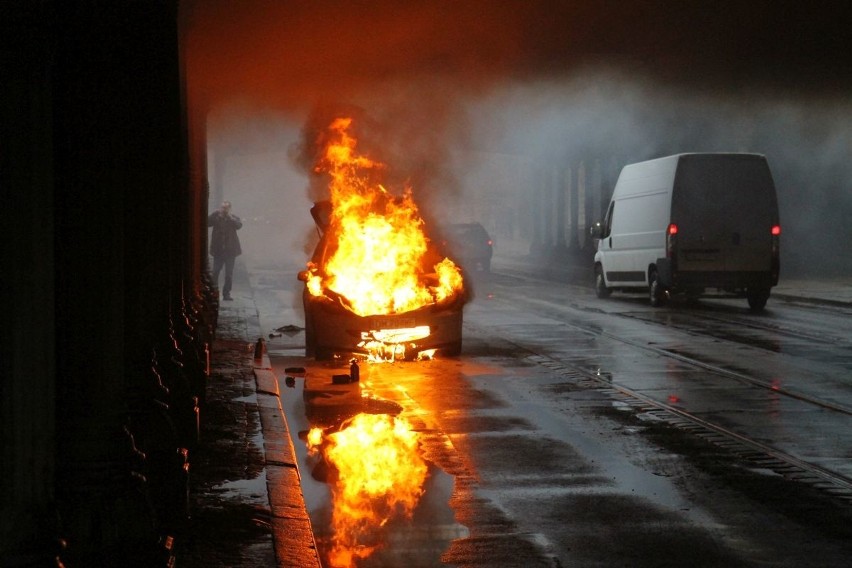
point(689, 223)
point(469, 245)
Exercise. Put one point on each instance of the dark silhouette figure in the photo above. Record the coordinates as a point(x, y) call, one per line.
point(224, 244)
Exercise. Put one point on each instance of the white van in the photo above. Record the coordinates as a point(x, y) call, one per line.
point(688, 224)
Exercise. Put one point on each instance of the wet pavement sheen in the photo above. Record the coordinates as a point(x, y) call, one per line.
point(530, 466)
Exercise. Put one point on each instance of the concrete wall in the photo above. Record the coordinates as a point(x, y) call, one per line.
point(104, 271)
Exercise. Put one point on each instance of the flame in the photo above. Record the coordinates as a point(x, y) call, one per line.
point(390, 344)
point(380, 477)
point(377, 265)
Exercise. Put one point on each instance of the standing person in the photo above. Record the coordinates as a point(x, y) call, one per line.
point(224, 244)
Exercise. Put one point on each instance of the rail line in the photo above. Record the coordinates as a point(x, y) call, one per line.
point(709, 312)
point(744, 323)
point(715, 369)
point(761, 454)
point(697, 363)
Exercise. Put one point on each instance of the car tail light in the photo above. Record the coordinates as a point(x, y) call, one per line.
point(776, 230)
point(490, 242)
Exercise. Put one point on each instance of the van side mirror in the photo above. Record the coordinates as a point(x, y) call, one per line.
point(303, 275)
point(596, 230)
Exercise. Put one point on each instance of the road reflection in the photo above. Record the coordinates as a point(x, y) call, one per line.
point(376, 474)
point(373, 498)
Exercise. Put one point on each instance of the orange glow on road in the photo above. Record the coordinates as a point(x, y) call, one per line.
point(379, 477)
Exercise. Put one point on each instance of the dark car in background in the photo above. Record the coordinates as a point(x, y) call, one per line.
point(468, 244)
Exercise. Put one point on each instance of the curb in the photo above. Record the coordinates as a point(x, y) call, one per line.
point(292, 533)
point(293, 540)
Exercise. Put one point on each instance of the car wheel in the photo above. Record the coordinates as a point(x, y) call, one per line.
point(657, 293)
point(757, 298)
point(601, 290)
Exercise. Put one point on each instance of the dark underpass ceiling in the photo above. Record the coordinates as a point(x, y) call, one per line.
point(292, 52)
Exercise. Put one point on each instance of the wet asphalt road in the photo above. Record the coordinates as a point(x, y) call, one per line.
point(538, 458)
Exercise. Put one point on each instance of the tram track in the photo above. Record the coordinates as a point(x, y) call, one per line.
point(716, 369)
point(757, 453)
point(756, 326)
point(687, 359)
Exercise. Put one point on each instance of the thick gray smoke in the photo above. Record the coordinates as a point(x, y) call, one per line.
point(618, 119)
point(464, 99)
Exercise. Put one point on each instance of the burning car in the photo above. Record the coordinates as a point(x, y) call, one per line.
point(375, 284)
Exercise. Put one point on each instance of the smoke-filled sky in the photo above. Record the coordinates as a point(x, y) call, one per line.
point(438, 84)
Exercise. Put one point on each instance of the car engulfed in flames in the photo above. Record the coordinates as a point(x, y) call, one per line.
point(375, 284)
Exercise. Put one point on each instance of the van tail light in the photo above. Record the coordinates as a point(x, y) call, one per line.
point(671, 240)
point(490, 242)
point(775, 231)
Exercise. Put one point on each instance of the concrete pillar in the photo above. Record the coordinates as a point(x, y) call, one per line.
point(548, 195)
point(536, 218)
point(562, 185)
point(29, 531)
point(592, 186)
point(218, 186)
point(121, 221)
point(107, 239)
point(583, 178)
point(574, 203)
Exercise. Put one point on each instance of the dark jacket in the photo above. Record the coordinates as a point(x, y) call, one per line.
point(224, 241)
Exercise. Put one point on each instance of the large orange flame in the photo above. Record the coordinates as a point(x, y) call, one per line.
point(380, 476)
point(378, 262)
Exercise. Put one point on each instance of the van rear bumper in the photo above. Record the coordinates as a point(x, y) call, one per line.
point(681, 280)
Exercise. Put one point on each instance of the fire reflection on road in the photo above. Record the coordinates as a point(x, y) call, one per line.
point(408, 519)
point(376, 474)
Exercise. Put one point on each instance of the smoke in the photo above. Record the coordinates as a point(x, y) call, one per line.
point(461, 99)
point(607, 116)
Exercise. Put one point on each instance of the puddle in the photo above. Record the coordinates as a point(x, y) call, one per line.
point(251, 491)
point(410, 523)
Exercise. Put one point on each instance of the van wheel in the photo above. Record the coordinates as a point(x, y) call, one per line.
point(656, 291)
point(601, 290)
point(757, 298)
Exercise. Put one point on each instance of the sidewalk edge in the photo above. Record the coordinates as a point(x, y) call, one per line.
point(292, 533)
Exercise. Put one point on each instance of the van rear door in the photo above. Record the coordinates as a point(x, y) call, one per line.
point(724, 206)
